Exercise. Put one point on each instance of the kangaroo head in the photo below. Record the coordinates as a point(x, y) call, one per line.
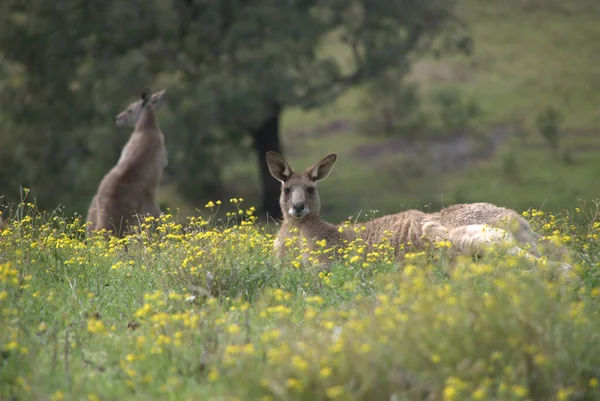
point(131, 114)
point(299, 196)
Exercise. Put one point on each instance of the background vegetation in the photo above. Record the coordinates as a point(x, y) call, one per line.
point(522, 65)
point(498, 102)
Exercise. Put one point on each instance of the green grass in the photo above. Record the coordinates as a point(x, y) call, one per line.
point(528, 55)
point(210, 315)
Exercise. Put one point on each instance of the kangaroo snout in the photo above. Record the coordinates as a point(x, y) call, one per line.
point(298, 210)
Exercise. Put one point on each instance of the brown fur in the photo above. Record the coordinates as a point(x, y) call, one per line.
point(301, 188)
point(470, 228)
point(401, 229)
point(130, 188)
point(311, 230)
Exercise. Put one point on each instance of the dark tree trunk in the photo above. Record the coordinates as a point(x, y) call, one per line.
point(265, 137)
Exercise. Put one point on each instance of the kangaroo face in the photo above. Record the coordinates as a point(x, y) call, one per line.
point(299, 196)
point(131, 114)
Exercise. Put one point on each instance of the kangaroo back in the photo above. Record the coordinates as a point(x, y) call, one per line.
point(403, 230)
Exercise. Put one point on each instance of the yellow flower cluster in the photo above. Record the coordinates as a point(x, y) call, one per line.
point(202, 309)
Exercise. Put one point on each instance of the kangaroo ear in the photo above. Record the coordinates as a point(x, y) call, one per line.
point(321, 170)
point(145, 97)
point(156, 97)
point(278, 167)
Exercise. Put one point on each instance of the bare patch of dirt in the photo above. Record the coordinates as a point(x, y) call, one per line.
point(328, 129)
point(584, 132)
point(585, 148)
point(296, 138)
point(436, 154)
point(441, 154)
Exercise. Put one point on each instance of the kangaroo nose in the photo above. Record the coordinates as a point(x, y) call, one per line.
point(298, 207)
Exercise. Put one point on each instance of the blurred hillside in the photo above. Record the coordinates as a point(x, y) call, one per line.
point(529, 56)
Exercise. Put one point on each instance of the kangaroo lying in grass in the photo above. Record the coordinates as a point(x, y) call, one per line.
point(300, 205)
point(470, 228)
point(129, 189)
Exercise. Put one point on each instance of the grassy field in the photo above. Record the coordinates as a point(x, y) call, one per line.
point(210, 315)
point(529, 55)
point(207, 313)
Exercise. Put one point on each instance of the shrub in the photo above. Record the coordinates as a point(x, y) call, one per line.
point(548, 125)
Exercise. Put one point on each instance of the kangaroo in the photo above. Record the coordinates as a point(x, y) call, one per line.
point(129, 189)
point(128, 117)
point(300, 205)
point(470, 228)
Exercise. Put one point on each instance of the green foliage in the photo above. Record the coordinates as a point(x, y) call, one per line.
point(206, 312)
point(566, 157)
point(548, 125)
point(227, 65)
point(454, 111)
point(510, 166)
point(393, 108)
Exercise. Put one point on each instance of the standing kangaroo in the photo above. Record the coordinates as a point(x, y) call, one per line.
point(129, 189)
point(470, 228)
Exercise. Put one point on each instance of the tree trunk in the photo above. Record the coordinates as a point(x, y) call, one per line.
point(265, 137)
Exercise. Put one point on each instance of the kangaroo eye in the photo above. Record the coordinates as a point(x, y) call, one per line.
point(310, 190)
point(286, 191)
